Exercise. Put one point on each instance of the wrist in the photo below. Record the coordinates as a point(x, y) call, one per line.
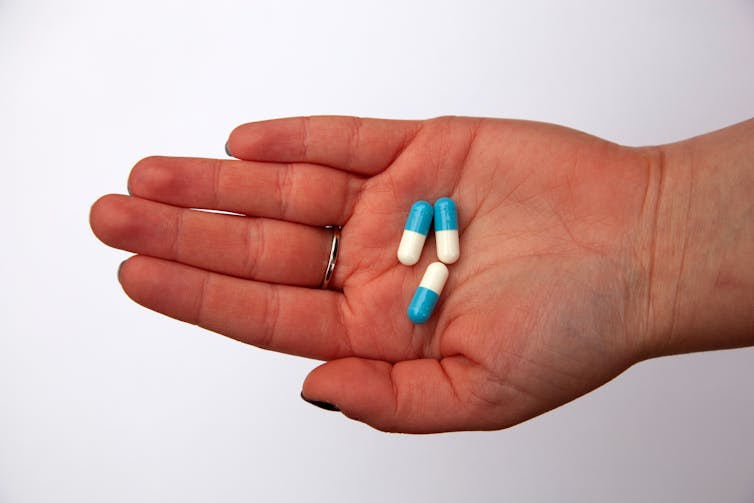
point(699, 243)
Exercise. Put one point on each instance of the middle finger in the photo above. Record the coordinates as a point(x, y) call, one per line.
point(261, 249)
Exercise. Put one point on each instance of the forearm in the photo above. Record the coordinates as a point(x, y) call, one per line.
point(701, 252)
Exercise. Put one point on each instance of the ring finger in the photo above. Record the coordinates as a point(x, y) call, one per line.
point(261, 249)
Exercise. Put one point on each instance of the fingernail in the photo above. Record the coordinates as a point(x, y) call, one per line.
point(120, 268)
point(321, 405)
point(227, 150)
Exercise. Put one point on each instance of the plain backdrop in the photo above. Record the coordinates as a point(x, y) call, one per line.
point(102, 400)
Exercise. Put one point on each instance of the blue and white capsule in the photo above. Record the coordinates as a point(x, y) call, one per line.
point(429, 291)
point(446, 230)
point(415, 233)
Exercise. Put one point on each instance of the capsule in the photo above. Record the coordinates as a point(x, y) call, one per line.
point(415, 233)
point(429, 291)
point(446, 230)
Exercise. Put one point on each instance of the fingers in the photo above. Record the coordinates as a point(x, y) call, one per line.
point(363, 146)
point(304, 193)
point(287, 319)
point(414, 396)
point(255, 248)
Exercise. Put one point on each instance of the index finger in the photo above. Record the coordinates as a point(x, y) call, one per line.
point(362, 146)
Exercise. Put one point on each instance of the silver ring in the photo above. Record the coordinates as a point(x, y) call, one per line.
point(333, 255)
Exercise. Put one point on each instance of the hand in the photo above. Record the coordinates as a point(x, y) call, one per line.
point(549, 300)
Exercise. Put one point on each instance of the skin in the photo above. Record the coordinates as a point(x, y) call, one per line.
point(579, 258)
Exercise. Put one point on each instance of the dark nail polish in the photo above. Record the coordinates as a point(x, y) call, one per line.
point(227, 150)
point(120, 268)
point(321, 405)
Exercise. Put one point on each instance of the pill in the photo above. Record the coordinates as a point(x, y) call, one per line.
point(415, 233)
point(446, 230)
point(429, 291)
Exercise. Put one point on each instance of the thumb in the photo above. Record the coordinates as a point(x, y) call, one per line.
point(413, 396)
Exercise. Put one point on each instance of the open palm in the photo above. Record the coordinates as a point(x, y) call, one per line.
point(546, 302)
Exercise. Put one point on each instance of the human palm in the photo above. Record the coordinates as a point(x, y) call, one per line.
point(545, 303)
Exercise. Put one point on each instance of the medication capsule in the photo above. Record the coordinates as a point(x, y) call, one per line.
point(446, 230)
point(429, 291)
point(415, 233)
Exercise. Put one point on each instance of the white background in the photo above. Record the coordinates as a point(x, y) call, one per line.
point(104, 401)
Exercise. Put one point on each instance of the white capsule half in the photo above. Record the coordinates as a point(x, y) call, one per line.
point(435, 277)
point(415, 233)
point(448, 250)
point(411, 246)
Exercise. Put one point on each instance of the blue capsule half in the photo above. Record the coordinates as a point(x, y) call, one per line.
point(446, 215)
point(420, 217)
point(422, 305)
